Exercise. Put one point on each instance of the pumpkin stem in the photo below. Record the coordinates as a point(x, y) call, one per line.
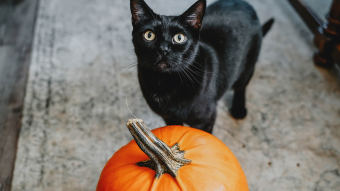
point(163, 159)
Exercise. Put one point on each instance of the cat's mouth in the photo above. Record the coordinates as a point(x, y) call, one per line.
point(162, 66)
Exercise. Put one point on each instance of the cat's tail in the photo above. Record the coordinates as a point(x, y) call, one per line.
point(267, 26)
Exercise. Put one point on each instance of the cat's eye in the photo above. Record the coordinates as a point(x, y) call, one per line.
point(149, 35)
point(179, 38)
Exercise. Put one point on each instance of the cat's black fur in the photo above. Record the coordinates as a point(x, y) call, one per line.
point(183, 82)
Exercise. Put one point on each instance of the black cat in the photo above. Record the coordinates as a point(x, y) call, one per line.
point(186, 65)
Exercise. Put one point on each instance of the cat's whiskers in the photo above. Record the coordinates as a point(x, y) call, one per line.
point(128, 67)
point(191, 76)
point(180, 76)
point(202, 71)
point(187, 77)
point(188, 73)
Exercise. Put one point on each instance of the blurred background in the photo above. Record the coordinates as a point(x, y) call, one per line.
point(67, 88)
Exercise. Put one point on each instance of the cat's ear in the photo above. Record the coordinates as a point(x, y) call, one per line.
point(194, 15)
point(140, 11)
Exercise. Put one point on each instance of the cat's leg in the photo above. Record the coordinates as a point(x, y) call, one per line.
point(238, 107)
point(206, 123)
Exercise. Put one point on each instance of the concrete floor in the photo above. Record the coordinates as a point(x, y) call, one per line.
point(81, 91)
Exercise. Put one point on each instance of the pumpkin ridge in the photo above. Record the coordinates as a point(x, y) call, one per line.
point(218, 169)
point(187, 130)
point(116, 167)
point(179, 183)
point(154, 184)
point(137, 175)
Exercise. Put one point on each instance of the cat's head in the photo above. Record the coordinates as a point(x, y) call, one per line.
point(166, 43)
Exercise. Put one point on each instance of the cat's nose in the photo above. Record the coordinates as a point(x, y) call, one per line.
point(164, 48)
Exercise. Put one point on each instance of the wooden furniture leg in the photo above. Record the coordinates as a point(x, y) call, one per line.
point(326, 35)
point(328, 39)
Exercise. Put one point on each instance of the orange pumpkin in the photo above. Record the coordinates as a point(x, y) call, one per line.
point(196, 161)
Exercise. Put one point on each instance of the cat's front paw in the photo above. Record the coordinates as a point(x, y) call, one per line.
point(238, 113)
